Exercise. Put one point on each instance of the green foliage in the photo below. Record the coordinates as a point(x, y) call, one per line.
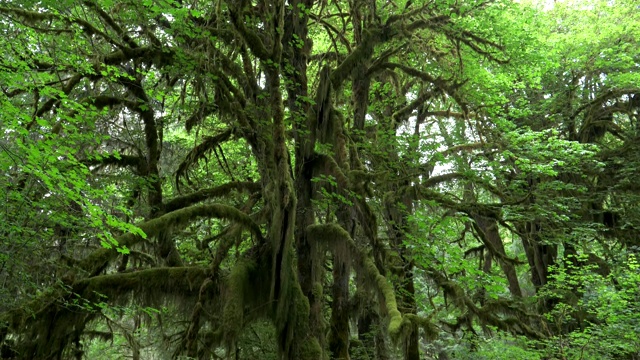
point(219, 179)
point(606, 308)
point(501, 346)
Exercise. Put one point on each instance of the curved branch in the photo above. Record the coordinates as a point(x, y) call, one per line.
point(222, 190)
point(32, 16)
point(199, 152)
point(438, 82)
point(104, 16)
point(333, 29)
point(66, 89)
point(203, 110)
point(600, 99)
point(363, 52)
point(406, 111)
point(435, 180)
point(488, 210)
point(99, 259)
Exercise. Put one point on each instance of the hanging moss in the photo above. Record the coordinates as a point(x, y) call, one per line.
point(317, 290)
point(505, 314)
point(200, 152)
point(334, 235)
point(144, 285)
point(301, 345)
point(309, 350)
point(430, 330)
point(50, 328)
point(239, 281)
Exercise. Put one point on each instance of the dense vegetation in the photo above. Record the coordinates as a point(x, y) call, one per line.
point(346, 179)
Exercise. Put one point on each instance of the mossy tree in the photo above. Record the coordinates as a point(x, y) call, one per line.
point(296, 167)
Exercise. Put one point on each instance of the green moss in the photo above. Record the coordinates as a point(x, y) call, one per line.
point(239, 282)
point(309, 350)
point(175, 220)
point(334, 234)
point(302, 308)
point(317, 290)
point(389, 297)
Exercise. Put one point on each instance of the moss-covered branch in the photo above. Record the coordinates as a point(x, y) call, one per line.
point(439, 179)
point(181, 281)
point(116, 160)
point(199, 152)
point(49, 104)
point(436, 81)
point(332, 167)
point(49, 327)
point(98, 260)
point(175, 220)
point(488, 210)
point(403, 113)
point(205, 194)
point(363, 52)
point(32, 17)
point(507, 315)
point(251, 38)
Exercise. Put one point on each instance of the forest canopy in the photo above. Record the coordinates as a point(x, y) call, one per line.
point(334, 179)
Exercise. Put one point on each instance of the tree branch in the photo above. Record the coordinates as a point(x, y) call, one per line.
point(222, 190)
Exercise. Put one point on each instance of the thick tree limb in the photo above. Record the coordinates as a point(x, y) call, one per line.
point(205, 194)
point(176, 219)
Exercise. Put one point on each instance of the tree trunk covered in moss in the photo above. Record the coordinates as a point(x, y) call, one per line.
point(397, 215)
